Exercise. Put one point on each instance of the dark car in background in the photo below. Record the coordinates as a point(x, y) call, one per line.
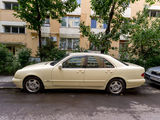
point(152, 75)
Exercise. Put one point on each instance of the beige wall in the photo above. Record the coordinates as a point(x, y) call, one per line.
point(30, 39)
point(7, 15)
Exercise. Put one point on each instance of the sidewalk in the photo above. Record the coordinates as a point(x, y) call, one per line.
point(6, 82)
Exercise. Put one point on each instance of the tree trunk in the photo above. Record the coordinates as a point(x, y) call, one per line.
point(108, 26)
point(102, 51)
point(40, 43)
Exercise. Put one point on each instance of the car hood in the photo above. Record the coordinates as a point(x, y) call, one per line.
point(154, 68)
point(42, 64)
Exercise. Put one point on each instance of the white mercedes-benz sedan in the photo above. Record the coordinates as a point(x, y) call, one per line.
point(81, 71)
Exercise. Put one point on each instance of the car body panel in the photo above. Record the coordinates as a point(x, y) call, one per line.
point(152, 75)
point(81, 78)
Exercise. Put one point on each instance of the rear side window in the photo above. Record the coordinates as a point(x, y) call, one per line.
point(98, 62)
point(74, 62)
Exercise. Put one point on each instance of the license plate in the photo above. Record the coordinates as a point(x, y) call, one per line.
point(154, 78)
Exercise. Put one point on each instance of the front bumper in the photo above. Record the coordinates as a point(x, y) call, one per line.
point(17, 82)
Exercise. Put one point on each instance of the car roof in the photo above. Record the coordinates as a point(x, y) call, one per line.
point(85, 53)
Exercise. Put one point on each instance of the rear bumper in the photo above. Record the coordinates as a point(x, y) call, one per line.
point(17, 82)
point(135, 83)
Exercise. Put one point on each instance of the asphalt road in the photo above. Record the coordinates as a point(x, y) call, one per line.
point(137, 104)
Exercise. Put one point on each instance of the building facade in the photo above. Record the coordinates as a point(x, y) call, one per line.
point(67, 35)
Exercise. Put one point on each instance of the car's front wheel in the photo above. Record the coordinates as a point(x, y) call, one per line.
point(116, 86)
point(32, 85)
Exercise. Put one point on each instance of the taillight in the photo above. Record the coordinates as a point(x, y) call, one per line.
point(142, 74)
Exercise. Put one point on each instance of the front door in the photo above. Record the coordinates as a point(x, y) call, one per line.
point(98, 71)
point(72, 73)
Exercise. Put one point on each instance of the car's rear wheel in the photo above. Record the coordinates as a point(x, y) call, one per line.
point(32, 85)
point(116, 86)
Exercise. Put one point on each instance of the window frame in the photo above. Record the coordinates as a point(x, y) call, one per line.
point(11, 28)
point(67, 21)
point(84, 62)
point(98, 67)
point(11, 5)
point(66, 43)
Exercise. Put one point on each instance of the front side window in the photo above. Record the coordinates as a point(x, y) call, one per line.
point(98, 62)
point(74, 62)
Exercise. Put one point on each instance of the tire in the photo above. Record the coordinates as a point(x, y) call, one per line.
point(33, 85)
point(116, 86)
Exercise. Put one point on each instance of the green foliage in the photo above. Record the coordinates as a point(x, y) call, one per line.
point(50, 52)
point(24, 56)
point(34, 12)
point(8, 63)
point(144, 35)
point(111, 13)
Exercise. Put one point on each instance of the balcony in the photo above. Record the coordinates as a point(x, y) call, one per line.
point(70, 32)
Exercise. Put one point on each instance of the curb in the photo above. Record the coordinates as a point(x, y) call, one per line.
point(7, 85)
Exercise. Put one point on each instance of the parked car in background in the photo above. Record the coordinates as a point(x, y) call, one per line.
point(152, 75)
point(81, 71)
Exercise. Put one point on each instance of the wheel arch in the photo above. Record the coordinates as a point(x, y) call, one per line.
point(33, 76)
point(116, 78)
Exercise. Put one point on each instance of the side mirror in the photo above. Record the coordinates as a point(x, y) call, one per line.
point(60, 67)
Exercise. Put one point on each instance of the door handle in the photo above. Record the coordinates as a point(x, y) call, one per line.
point(82, 71)
point(108, 71)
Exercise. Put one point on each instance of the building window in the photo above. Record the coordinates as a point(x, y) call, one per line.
point(70, 22)
point(123, 45)
point(79, 2)
point(14, 29)
point(154, 13)
point(10, 5)
point(93, 23)
point(47, 22)
point(69, 43)
point(104, 25)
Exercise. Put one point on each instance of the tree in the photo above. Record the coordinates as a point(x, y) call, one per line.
point(144, 35)
point(34, 12)
point(109, 12)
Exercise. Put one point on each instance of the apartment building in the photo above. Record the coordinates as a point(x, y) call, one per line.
point(67, 35)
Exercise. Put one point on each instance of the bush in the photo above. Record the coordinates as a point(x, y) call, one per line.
point(8, 63)
point(24, 56)
point(50, 52)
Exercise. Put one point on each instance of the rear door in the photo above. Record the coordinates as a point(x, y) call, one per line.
point(97, 71)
